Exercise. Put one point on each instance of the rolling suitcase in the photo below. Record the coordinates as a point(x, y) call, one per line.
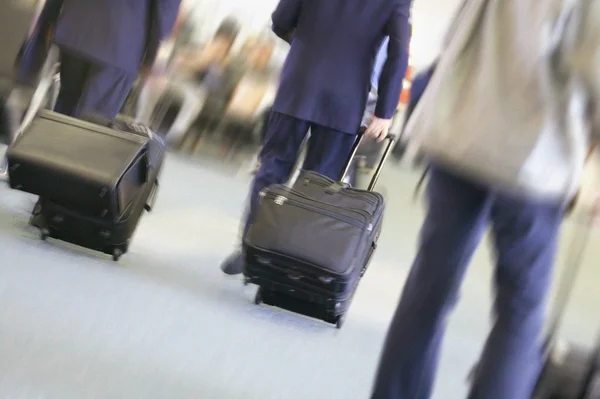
point(570, 371)
point(310, 242)
point(94, 181)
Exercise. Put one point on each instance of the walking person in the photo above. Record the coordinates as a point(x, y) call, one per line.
point(324, 86)
point(505, 123)
point(103, 46)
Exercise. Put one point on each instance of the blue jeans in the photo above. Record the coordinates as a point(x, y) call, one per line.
point(525, 236)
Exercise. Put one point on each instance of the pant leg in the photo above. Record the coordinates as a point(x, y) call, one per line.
point(455, 222)
point(73, 73)
point(105, 91)
point(193, 100)
point(328, 151)
point(526, 238)
point(277, 157)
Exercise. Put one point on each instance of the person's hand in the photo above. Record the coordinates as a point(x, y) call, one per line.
point(145, 73)
point(378, 129)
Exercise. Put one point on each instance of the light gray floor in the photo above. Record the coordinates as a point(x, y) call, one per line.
point(165, 323)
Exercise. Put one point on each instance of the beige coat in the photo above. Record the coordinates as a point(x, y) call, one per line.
point(509, 104)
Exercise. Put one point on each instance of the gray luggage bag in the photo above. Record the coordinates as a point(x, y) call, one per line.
point(570, 371)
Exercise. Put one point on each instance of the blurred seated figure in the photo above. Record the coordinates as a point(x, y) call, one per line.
point(193, 75)
point(220, 82)
point(248, 89)
point(148, 95)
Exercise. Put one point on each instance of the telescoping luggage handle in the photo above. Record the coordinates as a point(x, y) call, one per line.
point(390, 138)
point(567, 283)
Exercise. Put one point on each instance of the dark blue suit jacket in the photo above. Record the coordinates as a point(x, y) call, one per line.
point(417, 88)
point(120, 33)
point(326, 76)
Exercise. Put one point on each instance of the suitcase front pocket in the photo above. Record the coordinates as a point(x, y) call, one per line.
point(309, 231)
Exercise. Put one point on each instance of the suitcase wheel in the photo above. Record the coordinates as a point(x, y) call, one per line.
point(116, 255)
point(44, 234)
point(339, 321)
point(258, 297)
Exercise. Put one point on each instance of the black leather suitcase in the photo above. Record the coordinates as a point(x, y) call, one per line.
point(93, 181)
point(309, 244)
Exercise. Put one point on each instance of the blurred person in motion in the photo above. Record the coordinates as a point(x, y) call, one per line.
point(250, 82)
point(519, 83)
point(149, 90)
point(103, 46)
point(202, 81)
point(324, 86)
point(204, 64)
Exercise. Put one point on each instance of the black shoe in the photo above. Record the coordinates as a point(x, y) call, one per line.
point(234, 264)
point(36, 218)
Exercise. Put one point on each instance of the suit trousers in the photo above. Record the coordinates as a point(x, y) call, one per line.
point(525, 236)
point(90, 88)
point(327, 152)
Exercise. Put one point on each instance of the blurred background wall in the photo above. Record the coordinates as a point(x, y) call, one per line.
point(430, 19)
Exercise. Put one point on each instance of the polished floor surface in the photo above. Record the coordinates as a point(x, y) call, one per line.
point(165, 323)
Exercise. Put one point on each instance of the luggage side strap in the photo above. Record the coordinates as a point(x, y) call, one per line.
point(567, 283)
point(391, 139)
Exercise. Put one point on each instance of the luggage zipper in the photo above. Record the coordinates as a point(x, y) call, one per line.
point(282, 199)
point(348, 190)
point(367, 216)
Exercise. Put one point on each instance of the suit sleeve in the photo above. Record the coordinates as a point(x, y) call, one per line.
point(285, 18)
point(394, 69)
point(163, 14)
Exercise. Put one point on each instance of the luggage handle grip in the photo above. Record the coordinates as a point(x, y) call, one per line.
point(391, 138)
point(567, 283)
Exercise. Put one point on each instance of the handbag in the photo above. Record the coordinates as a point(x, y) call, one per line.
point(485, 88)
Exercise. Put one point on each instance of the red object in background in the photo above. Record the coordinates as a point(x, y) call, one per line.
point(405, 95)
